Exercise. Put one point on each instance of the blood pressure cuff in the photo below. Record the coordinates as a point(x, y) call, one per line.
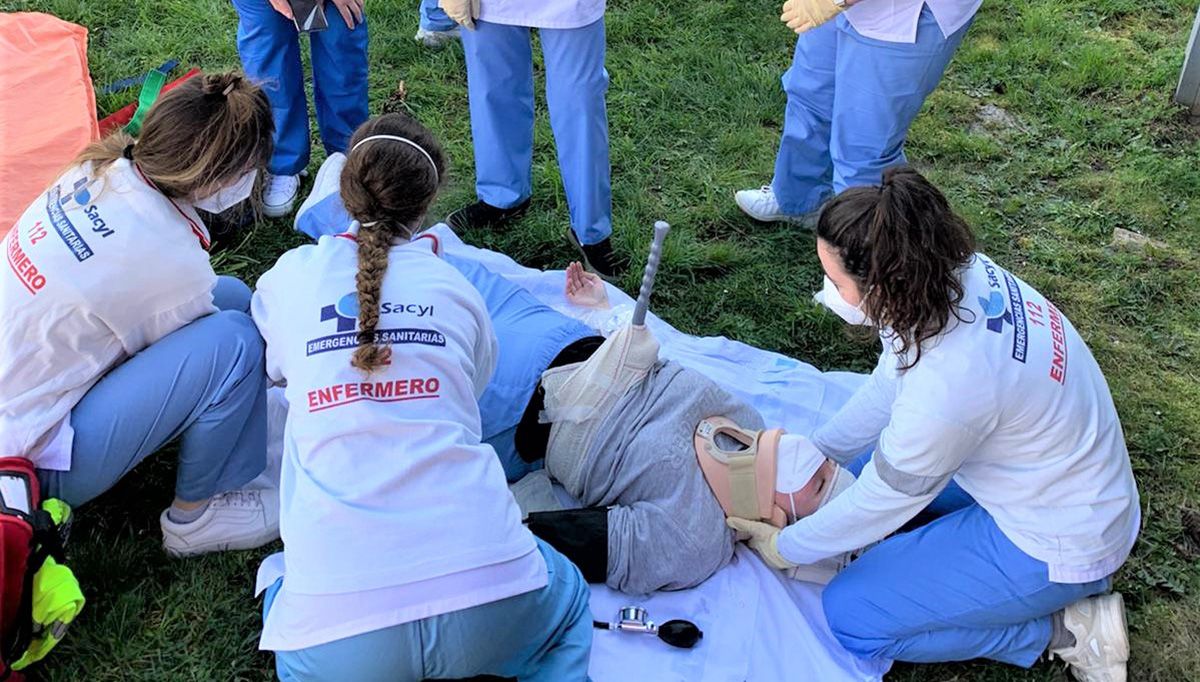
point(581, 535)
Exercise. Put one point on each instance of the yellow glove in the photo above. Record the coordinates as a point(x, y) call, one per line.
point(465, 12)
point(802, 15)
point(762, 538)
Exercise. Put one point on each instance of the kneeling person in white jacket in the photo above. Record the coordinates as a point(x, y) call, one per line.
point(117, 335)
point(983, 383)
point(404, 553)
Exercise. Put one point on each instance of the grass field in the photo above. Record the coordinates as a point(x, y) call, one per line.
point(1053, 126)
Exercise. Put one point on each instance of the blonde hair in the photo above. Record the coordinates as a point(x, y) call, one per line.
point(387, 186)
point(197, 138)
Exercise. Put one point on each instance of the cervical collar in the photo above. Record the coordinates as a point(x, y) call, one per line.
point(741, 477)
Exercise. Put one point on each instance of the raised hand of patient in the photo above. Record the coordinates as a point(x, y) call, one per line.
point(585, 288)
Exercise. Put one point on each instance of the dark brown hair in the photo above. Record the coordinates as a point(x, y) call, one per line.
point(905, 247)
point(387, 186)
point(197, 138)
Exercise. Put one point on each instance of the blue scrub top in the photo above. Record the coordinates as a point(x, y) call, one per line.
point(530, 335)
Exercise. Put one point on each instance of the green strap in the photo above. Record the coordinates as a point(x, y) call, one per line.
point(150, 89)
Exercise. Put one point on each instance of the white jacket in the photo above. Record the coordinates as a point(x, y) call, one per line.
point(1011, 405)
point(895, 21)
point(96, 269)
point(559, 14)
point(384, 480)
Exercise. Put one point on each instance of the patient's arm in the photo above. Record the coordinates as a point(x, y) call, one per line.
point(653, 547)
point(585, 289)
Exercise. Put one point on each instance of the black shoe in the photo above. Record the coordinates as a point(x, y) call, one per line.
point(599, 257)
point(484, 215)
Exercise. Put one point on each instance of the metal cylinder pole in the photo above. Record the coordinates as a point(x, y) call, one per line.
point(643, 301)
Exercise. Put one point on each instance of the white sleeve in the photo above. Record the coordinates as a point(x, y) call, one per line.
point(261, 305)
point(862, 419)
point(930, 433)
point(150, 329)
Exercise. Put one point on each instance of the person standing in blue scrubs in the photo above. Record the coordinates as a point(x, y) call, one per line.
point(855, 85)
point(269, 46)
point(435, 28)
point(500, 85)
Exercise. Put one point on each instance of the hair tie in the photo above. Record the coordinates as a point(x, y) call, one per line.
point(127, 152)
point(396, 138)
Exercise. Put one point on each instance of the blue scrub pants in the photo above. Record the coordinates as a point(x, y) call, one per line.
point(539, 636)
point(270, 49)
point(951, 590)
point(500, 86)
point(850, 101)
point(205, 382)
point(434, 18)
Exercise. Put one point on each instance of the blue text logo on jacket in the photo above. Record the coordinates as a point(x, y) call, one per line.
point(345, 312)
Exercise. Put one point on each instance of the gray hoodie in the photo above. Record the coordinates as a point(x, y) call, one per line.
point(666, 531)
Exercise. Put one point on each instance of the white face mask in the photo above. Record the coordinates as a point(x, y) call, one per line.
point(842, 480)
point(831, 298)
point(230, 196)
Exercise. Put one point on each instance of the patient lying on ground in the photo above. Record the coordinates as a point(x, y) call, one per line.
point(650, 519)
point(656, 454)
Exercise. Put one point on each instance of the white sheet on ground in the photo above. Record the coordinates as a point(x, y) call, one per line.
point(758, 625)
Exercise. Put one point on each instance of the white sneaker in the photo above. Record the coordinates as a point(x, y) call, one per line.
point(437, 38)
point(1101, 648)
point(762, 205)
point(279, 194)
point(239, 519)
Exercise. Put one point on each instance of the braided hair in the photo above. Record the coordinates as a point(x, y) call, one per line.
point(387, 186)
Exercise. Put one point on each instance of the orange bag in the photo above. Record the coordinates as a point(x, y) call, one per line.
point(47, 106)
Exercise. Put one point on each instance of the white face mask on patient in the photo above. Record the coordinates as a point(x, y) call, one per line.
point(831, 298)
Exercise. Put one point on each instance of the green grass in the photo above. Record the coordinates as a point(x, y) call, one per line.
point(695, 113)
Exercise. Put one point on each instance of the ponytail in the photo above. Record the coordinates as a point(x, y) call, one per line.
point(196, 138)
point(906, 248)
point(104, 151)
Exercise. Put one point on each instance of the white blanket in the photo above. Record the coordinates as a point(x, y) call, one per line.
point(758, 625)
